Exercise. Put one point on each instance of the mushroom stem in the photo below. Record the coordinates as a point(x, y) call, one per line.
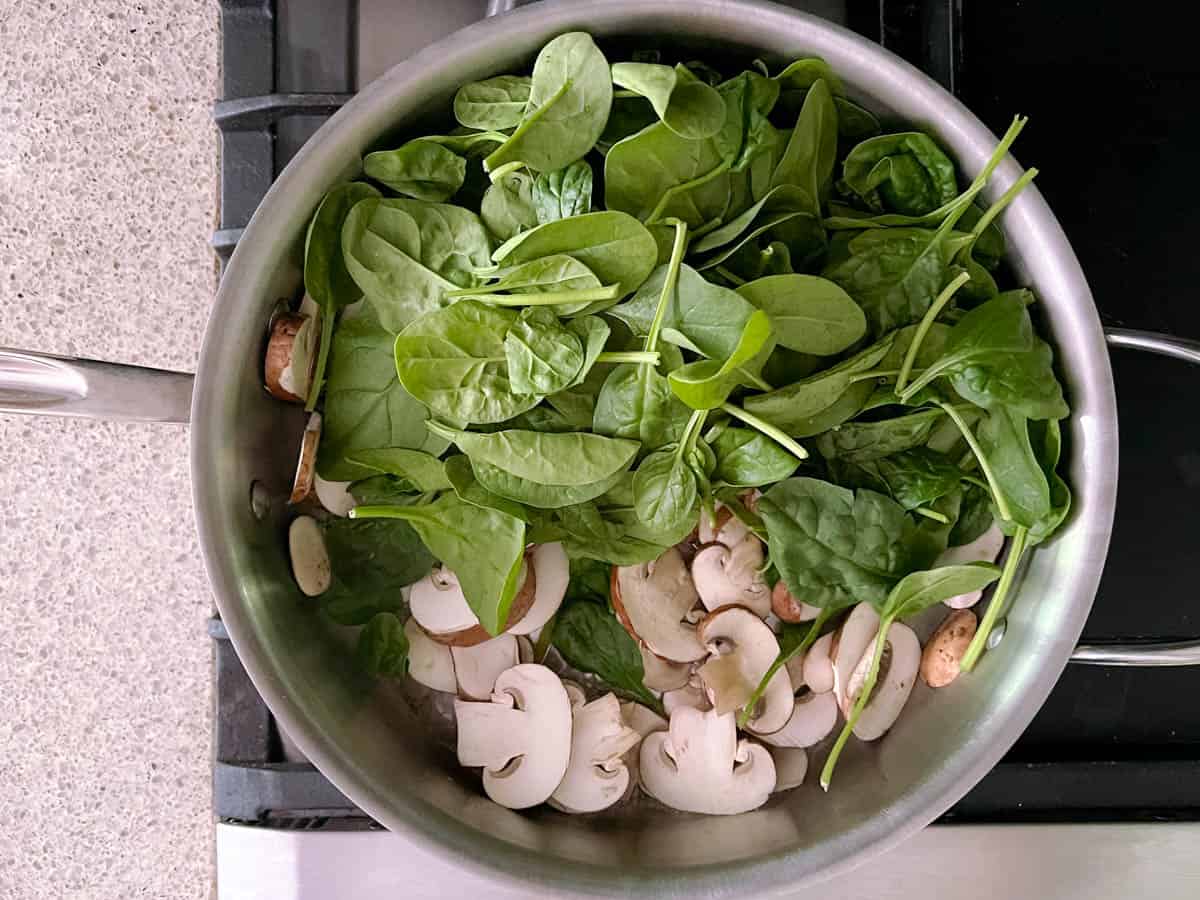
point(859, 705)
point(814, 631)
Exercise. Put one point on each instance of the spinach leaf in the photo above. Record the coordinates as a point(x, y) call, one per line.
point(637, 402)
point(461, 475)
point(836, 547)
point(616, 247)
point(382, 647)
point(554, 459)
point(802, 74)
point(811, 150)
point(685, 104)
point(1015, 470)
point(809, 314)
point(775, 209)
point(421, 169)
point(860, 442)
point(590, 639)
point(569, 98)
point(383, 489)
point(453, 360)
point(629, 115)
point(370, 562)
point(422, 470)
point(543, 356)
point(534, 493)
point(609, 536)
point(920, 590)
point(706, 384)
point(494, 104)
point(366, 406)
point(906, 173)
point(746, 458)
point(507, 207)
point(483, 547)
point(554, 273)
point(913, 478)
point(562, 194)
point(1046, 439)
point(590, 581)
point(665, 490)
point(975, 518)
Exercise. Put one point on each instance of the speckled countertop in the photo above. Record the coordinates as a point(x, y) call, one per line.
point(108, 170)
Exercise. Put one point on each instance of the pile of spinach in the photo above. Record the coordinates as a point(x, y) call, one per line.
point(616, 294)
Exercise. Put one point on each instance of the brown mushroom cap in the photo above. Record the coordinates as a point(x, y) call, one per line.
point(281, 349)
point(477, 634)
point(942, 658)
point(306, 466)
point(788, 608)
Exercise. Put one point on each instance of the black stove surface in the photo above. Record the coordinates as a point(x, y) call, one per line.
point(1110, 101)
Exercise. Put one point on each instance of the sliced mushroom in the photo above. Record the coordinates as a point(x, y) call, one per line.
point(439, 606)
point(575, 692)
point(743, 648)
point(552, 571)
point(525, 649)
point(856, 633)
point(429, 663)
point(310, 558)
point(660, 674)
point(897, 675)
point(818, 666)
point(691, 695)
point(700, 766)
point(732, 575)
point(795, 670)
point(788, 608)
point(291, 355)
point(941, 660)
point(478, 666)
point(335, 496)
point(641, 719)
point(728, 529)
point(791, 765)
point(522, 738)
point(596, 776)
point(985, 548)
point(813, 718)
point(651, 600)
point(306, 465)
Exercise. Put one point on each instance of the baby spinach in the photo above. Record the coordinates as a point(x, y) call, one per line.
point(370, 562)
point(706, 384)
point(637, 402)
point(746, 458)
point(555, 273)
point(685, 104)
point(536, 494)
point(665, 490)
point(860, 442)
point(421, 169)
point(461, 475)
point(776, 208)
point(422, 470)
point(811, 151)
point(809, 314)
point(586, 531)
point(543, 356)
point(590, 639)
point(507, 207)
point(494, 104)
point(905, 173)
point(382, 647)
point(975, 517)
point(563, 194)
point(570, 95)
point(913, 478)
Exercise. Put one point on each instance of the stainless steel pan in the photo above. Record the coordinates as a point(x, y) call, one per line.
point(363, 737)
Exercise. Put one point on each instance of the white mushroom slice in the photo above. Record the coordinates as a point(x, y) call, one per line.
point(788, 608)
point(310, 558)
point(335, 496)
point(477, 667)
point(552, 569)
point(660, 674)
point(813, 718)
point(699, 765)
point(439, 606)
point(856, 633)
point(732, 575)
point(795, 670)
point(897, 675)
point(743, 649)
point(728, 530)
point(429, 663)
point(306, 465)
point(690, 695)
point(596, 775)
point(791, 765)
point(985, 548)
point(641, 719)
point(522, 738)
point(651, 600)
point(818, 667)
point(291, 354)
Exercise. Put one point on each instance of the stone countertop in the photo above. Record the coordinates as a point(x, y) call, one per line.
point(108, 173)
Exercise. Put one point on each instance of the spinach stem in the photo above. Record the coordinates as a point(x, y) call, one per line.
point(668, 288)
point(814, 631)
point(725, 273)
point(875, 373)
point(691, 432)
point(386, 512)
point(768, 429)
point(927, 320)
point(675, 190)
point(971, 479)
point(998, 207)
point(1016, 550)
point(757, 380)
point(986, 467)
point(931, 514)
point(545, 298)
point(318, 380)
point(629, 356)
point(860, 704)
point(505, 169)
point(492, 160)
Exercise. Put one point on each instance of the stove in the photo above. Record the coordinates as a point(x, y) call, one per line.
point(1110, 101)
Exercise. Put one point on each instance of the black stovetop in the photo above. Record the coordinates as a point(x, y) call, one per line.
point(1110, 101)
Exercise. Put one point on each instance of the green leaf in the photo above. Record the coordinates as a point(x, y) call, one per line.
point(507, 206)
point(423, 470)
point(809, 314)
point(382, 648)
point(746, 458)
point(637, 402)
point(461, 475)
point(905, 173)
point(921, 590)
point(562, 194)
point(707, 384)
point(686, 105)
point(811, 150)
point(975, 518)
point(543, 356)
point(325, 277)
point(913, 478)
point(421, 169)
point(494, 104)
point(1004, 437)
point(1046, 439)
point(665, 491)
point(534, 493)
point(383, 489)
point(587, 532)
point(370, 562)
point(786, 214)
point(590, 639)
point(860, 442)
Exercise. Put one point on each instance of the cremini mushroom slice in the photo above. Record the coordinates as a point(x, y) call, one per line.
point(897, 675)
point(596, 776)
point(521, 738)
point(699, 765)
point(478, 666)
point(335, 496)
point(818, 665)
point(813, 718)
point(551, 570)
point(788, 608)
point(291, 355)
point(691, 695)
point(791, 765)
point(743, 648)
point(856, 633)
point(651, 601)
point(306, 465)
point(728, 529)
point(942, 658)
point(732, 575)
point(310, 557)
point(660, 674)
point(985, 548)
point(429, 663)
point(438, 605)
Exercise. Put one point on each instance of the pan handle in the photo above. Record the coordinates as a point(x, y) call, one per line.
point(42, 384)
point(1174, 653)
